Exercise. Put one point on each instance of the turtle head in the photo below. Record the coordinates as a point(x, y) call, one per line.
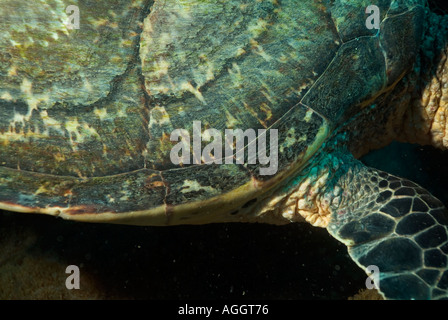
point(423, 108)
point(413, 104)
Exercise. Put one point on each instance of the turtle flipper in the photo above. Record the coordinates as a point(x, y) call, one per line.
point(397, 226)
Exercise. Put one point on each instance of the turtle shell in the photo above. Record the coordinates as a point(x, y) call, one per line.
point(87, 115)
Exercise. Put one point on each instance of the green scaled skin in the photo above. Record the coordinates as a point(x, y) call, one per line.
point(395, 225)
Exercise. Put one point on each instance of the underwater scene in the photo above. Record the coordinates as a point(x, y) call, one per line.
point(202, 235)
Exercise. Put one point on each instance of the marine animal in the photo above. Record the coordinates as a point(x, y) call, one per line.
point(99, 101)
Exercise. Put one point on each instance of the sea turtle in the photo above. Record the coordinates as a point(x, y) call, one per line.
point(190, 112)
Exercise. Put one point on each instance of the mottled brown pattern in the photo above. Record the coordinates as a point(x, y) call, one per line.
point(298, 67)
point(253, 89)
point(356, 73)
point(401, 44)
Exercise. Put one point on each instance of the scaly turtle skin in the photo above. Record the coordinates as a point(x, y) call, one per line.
point(86, 117)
